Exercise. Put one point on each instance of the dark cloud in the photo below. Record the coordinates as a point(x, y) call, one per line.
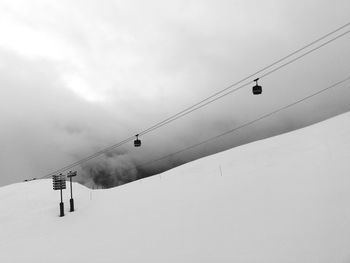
point(112, 169)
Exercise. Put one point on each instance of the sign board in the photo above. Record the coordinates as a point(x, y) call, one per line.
point(59, 182)
point(71, 174)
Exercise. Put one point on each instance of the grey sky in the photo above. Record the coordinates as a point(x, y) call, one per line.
point(77, 76)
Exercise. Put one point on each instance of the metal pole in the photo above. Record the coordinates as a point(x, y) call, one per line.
point(71, 191)
point(71, 201)
point(61, 205)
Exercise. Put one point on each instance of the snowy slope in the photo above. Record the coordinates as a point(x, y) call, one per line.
point(284, 199)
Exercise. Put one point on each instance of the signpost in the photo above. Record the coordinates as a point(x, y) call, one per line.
point(71, 201)
point(59, 183)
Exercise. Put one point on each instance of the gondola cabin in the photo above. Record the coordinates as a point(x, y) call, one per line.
point(257, 89)
point(137, 142)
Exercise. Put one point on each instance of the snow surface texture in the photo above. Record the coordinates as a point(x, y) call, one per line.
point(283, 199)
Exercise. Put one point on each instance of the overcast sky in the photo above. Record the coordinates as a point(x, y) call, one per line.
point(77, 76)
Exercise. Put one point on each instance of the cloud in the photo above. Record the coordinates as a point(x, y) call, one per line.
point(112, 169)
point(78, 77)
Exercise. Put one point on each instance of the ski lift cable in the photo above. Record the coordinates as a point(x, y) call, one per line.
point(243, 125)
point(306, 53)
point(248, 77)
point(96, 154)
point(211, 98)
point(177, 116)
point(193, 108)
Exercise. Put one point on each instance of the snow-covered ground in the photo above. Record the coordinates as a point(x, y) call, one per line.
point(283, 199)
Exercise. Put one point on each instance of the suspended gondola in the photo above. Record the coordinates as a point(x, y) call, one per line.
point(257, 90)
point(137, 142)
